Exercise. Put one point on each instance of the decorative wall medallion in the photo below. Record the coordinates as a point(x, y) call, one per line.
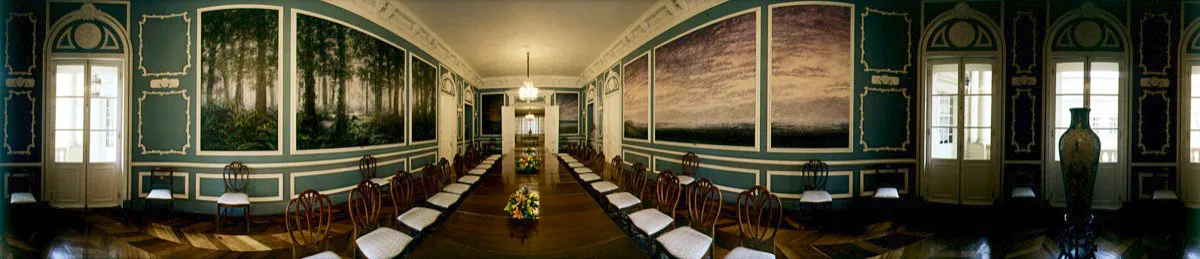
point(1166, 103)
point(1154, 82)
point(14, 20)
point(187, 129)
point(448, 83)
point(862, 118)
point(468, 95)
point(1087, 34)
point(28, 150)
point(907, 42)
point(87, 35)
point(1024, 81)
point(885, 80)
point(164, 83)
point(1162, 54)
point(612, 82)
point(1012, 127)
point(1024, 22)
point(153, 19)
point(962, 34)
point(19, 82)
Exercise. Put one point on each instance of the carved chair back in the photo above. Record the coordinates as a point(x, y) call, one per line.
point(367, 167)
point(704, 207)
point(161, 175)
point(21, 181)
point(401, 191)
point(236, 176)
point(815, 174)
point(667, 193)
point(432, 179)
point(637, 180)
point(759, 214)
point(614, 170)
point(308, 219)
point(691, 163)
point(598, 162)
point(364, 206)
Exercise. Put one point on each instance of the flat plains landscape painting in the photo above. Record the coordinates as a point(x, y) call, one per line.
point(705, 84)
point(811, 79)
point(635, 110)
point(424, 101)
point(351, 87)
point(490, 119)
point(568, 112)
point(239, 80)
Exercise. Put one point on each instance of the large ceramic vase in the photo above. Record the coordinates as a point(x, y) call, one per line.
point(1079, 148)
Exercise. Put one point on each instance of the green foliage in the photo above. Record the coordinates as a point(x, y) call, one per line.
point(230, 129)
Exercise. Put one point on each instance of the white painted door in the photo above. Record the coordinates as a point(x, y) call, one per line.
point(447, 125)
point(612, 125)
point(550, 123)
point(508, 129)
point(960, 147)
point(1094, 82)
point(86, 131)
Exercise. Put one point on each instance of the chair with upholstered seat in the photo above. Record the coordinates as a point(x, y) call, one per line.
point(413, 217)
point(432, 177)
point(368, 167)
point(652, 221)
point(237, 177)
point(587, 173)
point(162, 182)
point(691, 164)
point(610, 175)
point(695, 240)
point(308, 218)
point(454, 172)
point(759, 213)
point(21, 188)
point(370, 239)
point(634, 182)
point(815, 200)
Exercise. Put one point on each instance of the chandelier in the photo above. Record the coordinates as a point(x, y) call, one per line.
point(529, 116)
point(527, 92)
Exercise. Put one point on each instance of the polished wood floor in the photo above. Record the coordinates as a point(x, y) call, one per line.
point(572, 224)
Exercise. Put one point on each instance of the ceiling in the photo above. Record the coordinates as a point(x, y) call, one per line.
point(563, 37)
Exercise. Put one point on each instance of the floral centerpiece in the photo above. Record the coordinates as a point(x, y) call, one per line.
point(523, 204)
point(528, 162)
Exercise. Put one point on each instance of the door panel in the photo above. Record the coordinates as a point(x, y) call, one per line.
point(446, 126)
point(85, 167)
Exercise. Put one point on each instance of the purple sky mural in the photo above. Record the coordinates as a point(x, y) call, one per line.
point(636, 107)
point(811, 76)
point(706, 78)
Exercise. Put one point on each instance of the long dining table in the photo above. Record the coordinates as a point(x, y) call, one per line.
point(571, 225)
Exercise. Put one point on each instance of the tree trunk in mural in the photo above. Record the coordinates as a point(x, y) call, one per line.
point(357, 101)
point(240, 62)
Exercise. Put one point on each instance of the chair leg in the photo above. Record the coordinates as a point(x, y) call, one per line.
point(218, 231)
point(247, 213)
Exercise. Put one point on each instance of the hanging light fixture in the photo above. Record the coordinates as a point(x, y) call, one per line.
point(529, 116)
point(527, 92)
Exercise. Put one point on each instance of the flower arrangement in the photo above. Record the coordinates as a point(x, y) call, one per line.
point(523, 204)
point(528, 162)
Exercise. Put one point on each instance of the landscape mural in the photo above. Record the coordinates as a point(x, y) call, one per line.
point(351, 87)
point(490, 117)
point(568, 112)
point(810, 83)
point(424, 101)
point(717, 107)
point(239, 77)
point(635, 96)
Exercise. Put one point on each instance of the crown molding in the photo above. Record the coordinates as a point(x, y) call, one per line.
point(540, 81)
point(396, 18)
point(663, 15)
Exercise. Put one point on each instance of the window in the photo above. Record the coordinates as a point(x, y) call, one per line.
point(972, 87)
point(1091, 84)
point(1194, 119)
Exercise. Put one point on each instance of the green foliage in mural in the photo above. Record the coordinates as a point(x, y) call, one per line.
point(239, 76)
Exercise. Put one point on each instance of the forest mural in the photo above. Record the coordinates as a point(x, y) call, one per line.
point(811, 74)
point(568, 112)
point(424, 100)
point(718, 107)
point(351, 87)
point(239, 76)
point(635, 111)
point(489, 118)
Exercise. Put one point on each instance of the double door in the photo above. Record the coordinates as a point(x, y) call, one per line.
point(960, 136)
point(85, 131)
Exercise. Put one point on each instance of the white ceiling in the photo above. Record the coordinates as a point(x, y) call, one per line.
point(563, 37)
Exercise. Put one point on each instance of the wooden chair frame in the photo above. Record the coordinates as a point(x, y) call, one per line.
point(368, 166)
point(759, 214)
point(236, 176)
point(704, 208)
point(431, 179)
point(636, 183)
point(815, 175)
point(401, 192)
point(159, 174)
point(691, 164)
point(667, 194)
point(364, 205)
point(308, 218)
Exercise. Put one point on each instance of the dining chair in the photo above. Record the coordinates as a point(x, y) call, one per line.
point(21, 185)
point(651, 221)
point(441, 200)
point(453, 172)
point(308, 219)
point(634, 183)
point(759, 213)
point(609, 175)
point(377, 242)
point(413, 217)
point(236, 176)
point(695, 240)
point(691, 164)
point(586, 172)
point(162, 184)
point(815, 200)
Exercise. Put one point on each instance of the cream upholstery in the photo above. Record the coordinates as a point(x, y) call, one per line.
point(622, 200)
point(470, 179)
point(1164, 195)
point(815, 196)
point(582, 170)
point(1023, 192)
point(457, 188)
point(650, 221)
point(444, 199)
point(686, 243)
point(419, 218)
point(477, 171)
point(684, 179)
point(383, 243)
point(234, 198)
point(747, 253)
point(159, 194)
point(589, 177)
point(22, 198)
point(603, 187)
point(324, 255)
point(887, 193)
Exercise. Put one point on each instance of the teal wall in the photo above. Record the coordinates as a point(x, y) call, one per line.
point(890, 117)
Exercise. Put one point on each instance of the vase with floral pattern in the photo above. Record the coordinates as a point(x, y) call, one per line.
point(1079, 148)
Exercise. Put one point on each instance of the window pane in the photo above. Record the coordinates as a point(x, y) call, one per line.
point(68, 80)
point(942, 144)
point(1195, 81)
point(68, 146)
point(1057, 135)
point(68, 113)
point(945, 110)
point(979, 111)
point(1105, 112)
point(1195, 119)
point(1069, 78)
point(978, 144)
point(945, 79)
point(1062, 106)
point(103, 147)
point(1194, 147)
point(1108, 145)
point(104, 114)
point(105, 81)
point(1106, 76)
point(979, 78)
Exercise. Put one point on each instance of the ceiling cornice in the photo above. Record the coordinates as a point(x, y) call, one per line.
point(394, 17)
point(539, 81)
point(661, 16)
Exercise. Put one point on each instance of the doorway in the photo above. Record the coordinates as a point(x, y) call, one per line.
point(960, 144)
point(85, 127)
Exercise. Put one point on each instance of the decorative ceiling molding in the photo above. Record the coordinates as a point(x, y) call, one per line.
point(397, 19)
point(661, 16)
point(538, 81)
